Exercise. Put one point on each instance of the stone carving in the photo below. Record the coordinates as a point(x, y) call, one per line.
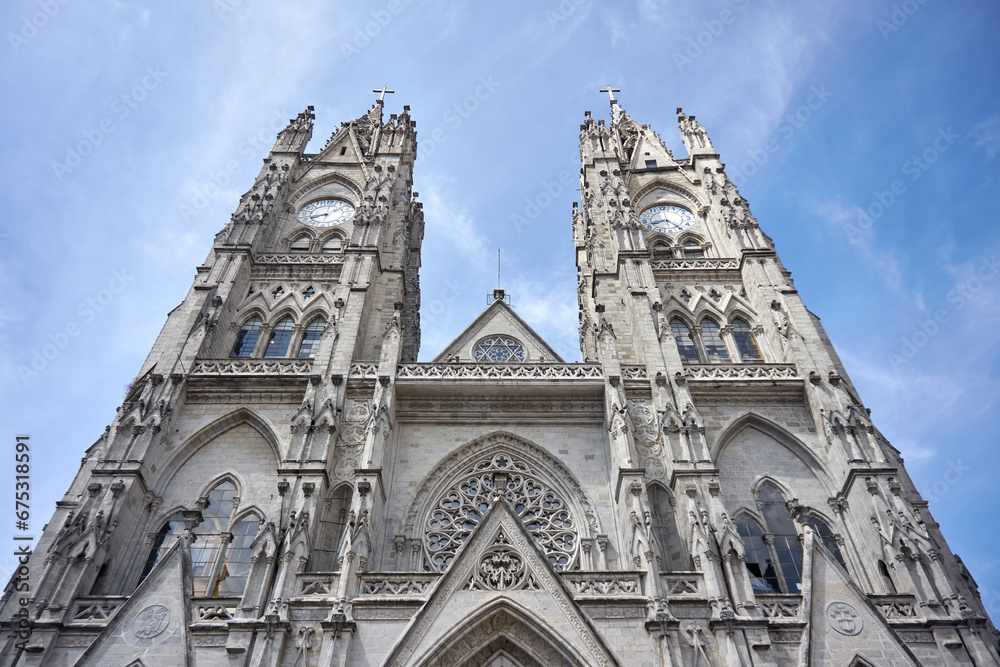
point(364, 371)
point(95, 611)
point(605, 584)
point(499, 371)
point(151, 621)
point(683, 585)
point(318, 586)
point(433, 485)
point(779, 607)
point(715, 263)
point(741, 372)
point(300, 258)
point(501, 568)
point(634, 373)
point(844, 618)
point(542, 509)
point(252, 367)
point(408, 585)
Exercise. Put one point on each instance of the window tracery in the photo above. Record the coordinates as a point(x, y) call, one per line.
point(541, 508)
point(246, 339)
point(310, 337)
point(221, 550)
point(499, 349)
point(281, 336)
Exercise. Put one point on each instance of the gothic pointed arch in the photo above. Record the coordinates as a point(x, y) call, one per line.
point(681, 195)
point(769, 428)
point(502, 626)
point(312, 186)
point(210, 432)
point(548, 494)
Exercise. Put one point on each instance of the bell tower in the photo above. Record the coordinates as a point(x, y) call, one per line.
point(731, 420)
point(315, 273)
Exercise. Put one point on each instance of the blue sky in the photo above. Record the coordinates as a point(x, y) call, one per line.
point(865, 134)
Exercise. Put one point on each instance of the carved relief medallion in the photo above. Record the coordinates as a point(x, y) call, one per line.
point(844, 618)
point(151, 621)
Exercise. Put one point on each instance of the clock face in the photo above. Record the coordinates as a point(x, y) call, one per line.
point(326, 212)
point(667, 218)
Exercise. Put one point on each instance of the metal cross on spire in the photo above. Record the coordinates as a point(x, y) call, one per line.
point(382, 91)
point(611, 92)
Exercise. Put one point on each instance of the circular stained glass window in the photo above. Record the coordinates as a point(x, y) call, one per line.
point(499, 349)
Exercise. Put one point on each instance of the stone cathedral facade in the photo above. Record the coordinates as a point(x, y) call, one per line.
point(285, 485)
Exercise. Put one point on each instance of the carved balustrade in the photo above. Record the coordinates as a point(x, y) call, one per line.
point(241, 367)
point(691, 263)
point(740, 372)
point(896, 607)
point(498, 371)
point(95, 609)
point(318, 584)
point(398, 585)
point(779, 606)
point(300, 258)
point(683, 584)
point(604, 584)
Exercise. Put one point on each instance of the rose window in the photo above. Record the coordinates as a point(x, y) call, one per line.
point(541, 508)
point(499, 349)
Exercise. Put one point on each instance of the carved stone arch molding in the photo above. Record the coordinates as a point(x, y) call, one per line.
point(305, 190)
point(502, 628)
point(775, 432)
point(540, 468)
point(207, 434)
point(680, 192)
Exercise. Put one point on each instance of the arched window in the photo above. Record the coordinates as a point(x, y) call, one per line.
point(164, 539)
point(334, 519)
point(335, 244)
point(301, 245)
point(281, 336)
point(787, 548)
point(883, 569)
point(825, 535)
point(660, 249)
point(219, 565)
point(236, 567)
point(540, 506)
point(692, 249)
point(665, 530)
point(715, 348)
point(499, 349)
point(744, 339)
point(246, 339)
point(310, 338)
point(763, 577)
point(685, 343)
